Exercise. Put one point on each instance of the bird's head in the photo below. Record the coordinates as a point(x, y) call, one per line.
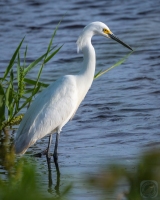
point(99, 28)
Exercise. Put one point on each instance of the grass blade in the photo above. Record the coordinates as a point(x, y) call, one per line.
point(33, 64)
point(25, 54)
point(53, 35)
point(10, 96)
point(13, 92)
point(18, 68)
point(2, 105)
point(100, 73)
point(33, 82)
point(52, 54)
point(28, 100)
point(11, 63)
point(46, 59)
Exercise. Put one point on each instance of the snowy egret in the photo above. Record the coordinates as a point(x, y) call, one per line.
point(57, 104)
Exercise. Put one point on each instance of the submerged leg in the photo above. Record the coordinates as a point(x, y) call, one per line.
point(55, 156)
point(49, 144)
point(46, 151)
point(48, 154)
point(50, 182)
point(55, 149)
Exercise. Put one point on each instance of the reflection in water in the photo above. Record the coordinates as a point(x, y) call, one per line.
point(50, 182)
point(18, 171)
point(55, 159)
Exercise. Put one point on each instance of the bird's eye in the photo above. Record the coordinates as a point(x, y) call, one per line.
point(106, 31)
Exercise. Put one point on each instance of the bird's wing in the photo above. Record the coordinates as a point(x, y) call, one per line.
point(50, 111)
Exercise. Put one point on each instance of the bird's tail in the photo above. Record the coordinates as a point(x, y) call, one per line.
point(21, 145)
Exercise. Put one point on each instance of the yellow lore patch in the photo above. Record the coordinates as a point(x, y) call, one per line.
point(107, 31)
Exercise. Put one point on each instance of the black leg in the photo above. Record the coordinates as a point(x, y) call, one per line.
point(58, 179)
point(55, 149)
point(55, 156)
point(46, 151)
point(49, 144)
point(50, 182)
point(48, 154)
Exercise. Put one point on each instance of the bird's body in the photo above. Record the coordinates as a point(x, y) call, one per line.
point(48, 113)
point(57, 104)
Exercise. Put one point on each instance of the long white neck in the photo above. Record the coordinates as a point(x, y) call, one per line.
point(88, 64)
point(86, 75)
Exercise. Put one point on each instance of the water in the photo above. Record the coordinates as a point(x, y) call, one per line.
point(120, 115)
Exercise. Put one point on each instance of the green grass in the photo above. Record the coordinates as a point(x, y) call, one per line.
point(20, 180)
point(16, 88)
point(102, 72)
point(139, 178)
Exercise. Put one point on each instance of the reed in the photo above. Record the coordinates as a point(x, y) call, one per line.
point(16, 90)
point(18, 177)
point(133, 182)
point(121, 61)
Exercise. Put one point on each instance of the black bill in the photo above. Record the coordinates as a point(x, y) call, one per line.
point(120, 41)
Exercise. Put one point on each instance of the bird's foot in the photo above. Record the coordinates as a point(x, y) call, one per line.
point(45, 152)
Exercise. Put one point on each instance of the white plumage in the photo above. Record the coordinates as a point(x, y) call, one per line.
point(57, 104)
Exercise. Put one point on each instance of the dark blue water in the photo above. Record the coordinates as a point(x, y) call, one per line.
point(120, 116)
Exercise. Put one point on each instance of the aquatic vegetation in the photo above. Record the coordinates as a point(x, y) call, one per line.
point(18, 177)
point(16, 90)
point(101, 72)
point(141, 180)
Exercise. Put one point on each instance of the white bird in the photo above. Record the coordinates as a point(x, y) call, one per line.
point(57, 104)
